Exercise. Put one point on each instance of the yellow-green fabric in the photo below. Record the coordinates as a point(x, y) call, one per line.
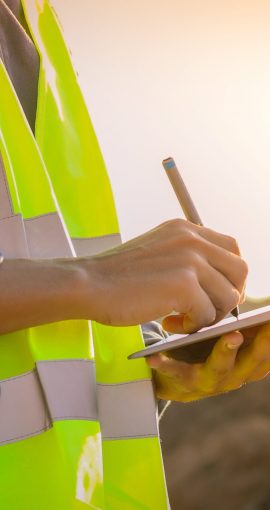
point(50, 469)
point(68, 467)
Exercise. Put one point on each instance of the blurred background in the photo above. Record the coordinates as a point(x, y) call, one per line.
point(190, 79)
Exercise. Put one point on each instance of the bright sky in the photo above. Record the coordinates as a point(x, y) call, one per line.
point(188, 79)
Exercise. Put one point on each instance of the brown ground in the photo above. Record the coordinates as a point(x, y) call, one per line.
point(217, 451)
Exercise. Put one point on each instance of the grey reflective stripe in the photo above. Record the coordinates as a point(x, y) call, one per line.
point(93, 245)
point(127, 410)
point(23, 412)
point(70, 389)
point(66, 390)
point(40, 237)
point(43, 236)
point(6, 208)
point(47, 238)
point(12, 237)
point(56, 390)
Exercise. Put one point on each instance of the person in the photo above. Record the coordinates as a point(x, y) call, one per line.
point(176, 267)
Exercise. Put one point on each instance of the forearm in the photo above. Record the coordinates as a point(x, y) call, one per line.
point(35, 292)
point(177, 266)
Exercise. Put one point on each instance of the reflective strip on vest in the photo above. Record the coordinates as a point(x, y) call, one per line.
point(66, 390)
point(56, 390)
point(118, 421)
point(94, 245)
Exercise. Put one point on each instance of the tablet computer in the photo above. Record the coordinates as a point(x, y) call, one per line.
point(253, 318)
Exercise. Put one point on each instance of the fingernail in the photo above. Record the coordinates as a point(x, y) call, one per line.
point(232, 347)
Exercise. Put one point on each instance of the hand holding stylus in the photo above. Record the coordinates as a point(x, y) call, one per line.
point(185, 200)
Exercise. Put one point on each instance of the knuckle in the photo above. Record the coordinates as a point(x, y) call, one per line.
point(192, 238)
point(218, 373)
point(210, 315)
point(243, 268)
point(230, 301)
point(203, 317)
point(188, 279)
point(232, 244)
point(176, 224)
point(193, 242)
point(195, 260)
point(222, 372)
point(224, 303)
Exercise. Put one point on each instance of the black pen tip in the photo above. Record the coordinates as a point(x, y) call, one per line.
point(235, 312)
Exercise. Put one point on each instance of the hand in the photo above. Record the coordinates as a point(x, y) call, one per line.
point(177, 266)
point(236, 359)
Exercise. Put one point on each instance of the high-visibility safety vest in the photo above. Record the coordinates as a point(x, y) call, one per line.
point(77, 419)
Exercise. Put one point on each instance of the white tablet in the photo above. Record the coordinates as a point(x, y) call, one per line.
point(245, 320)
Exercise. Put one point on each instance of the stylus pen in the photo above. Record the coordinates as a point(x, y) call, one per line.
point(185, 199)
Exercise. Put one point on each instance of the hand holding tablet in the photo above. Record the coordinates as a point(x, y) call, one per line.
point(215, 359)
point(252, 319)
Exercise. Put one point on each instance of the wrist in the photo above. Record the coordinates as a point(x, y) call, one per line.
point(84, 292)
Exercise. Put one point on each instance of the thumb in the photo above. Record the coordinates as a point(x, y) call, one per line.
point(174, 323)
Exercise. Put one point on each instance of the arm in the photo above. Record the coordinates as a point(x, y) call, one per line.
point(35, 292)
point(177, 266)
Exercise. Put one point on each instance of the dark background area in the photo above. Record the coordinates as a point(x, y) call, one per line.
point(217, 451)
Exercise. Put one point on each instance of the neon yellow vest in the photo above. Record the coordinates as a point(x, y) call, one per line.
point(58, 202)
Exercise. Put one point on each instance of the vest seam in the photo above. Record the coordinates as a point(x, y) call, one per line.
point(7, 188)
point(13, 378)
point(12, 216)
point(83, 360)
point(138, 381)
point(115, 438)
point(75, 417)
point(34, 370)
point(1, 51)
point(24, 436)
point(41, 216)
point(95, 237)
point(5, 57)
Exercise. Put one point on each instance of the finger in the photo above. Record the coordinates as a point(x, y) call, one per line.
point(168, 366)
point(173, 379)
point(221, 240)
point(262, 371)
point(177, 373)
point(199, 312)
point(221, 361)
point(255, 354)
point(233, 267)
point(243, 295)
point(224, 296)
